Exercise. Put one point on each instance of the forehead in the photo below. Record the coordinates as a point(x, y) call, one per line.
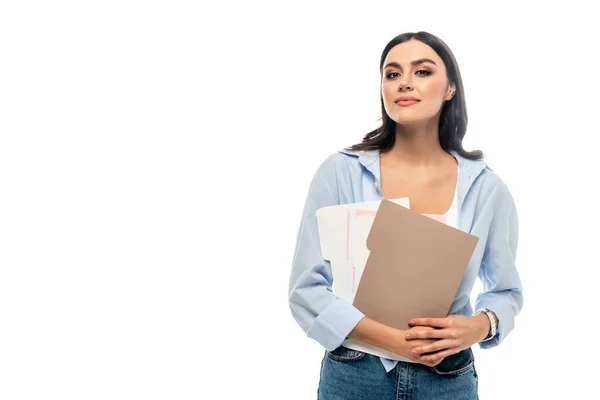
point(404, 53)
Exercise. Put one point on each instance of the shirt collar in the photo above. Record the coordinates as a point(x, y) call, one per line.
point(469, 169)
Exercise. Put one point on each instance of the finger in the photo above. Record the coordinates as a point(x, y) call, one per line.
point(410, 333)
point(437, 346)
point(440, 355)
point(434, 322)
point(421, 342)
point(428, 363)
point(431, 334)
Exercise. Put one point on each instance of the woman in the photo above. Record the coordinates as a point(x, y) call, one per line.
point(416, 153)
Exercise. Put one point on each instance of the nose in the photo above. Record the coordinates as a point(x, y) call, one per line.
point(404, 88)
point(404, 83)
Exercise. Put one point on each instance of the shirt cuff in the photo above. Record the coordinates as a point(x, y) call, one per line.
point(506, 322)
point(334, 323)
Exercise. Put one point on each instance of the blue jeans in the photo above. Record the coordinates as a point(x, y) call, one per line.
point(350, 374)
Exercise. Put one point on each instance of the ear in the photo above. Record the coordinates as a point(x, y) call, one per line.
point(451, 91)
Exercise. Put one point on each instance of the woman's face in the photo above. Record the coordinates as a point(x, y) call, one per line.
point(425, 81)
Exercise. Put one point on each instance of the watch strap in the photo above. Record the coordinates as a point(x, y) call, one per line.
point(493, 327)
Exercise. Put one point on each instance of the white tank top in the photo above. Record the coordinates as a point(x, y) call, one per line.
point(451, 216)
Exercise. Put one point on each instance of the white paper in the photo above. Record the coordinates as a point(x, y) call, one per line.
point(343, 232)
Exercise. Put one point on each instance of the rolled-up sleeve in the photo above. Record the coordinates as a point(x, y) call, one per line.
point(503, 292)
point(321, 314)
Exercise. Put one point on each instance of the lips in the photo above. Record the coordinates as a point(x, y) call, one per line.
point(406, 98)
point(405, 103)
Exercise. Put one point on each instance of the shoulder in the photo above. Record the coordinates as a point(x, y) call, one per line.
point(341, 162)
point(486, 180)
point(491, 189)
point(492, 182)
point(495, 191)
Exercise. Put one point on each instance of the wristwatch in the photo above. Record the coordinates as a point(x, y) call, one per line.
point(492, 332)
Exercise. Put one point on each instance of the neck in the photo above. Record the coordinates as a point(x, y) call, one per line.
point(417, 146)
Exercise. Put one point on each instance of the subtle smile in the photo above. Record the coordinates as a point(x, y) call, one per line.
point(406, 103)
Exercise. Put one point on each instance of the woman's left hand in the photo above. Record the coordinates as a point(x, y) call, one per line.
point(456, 333)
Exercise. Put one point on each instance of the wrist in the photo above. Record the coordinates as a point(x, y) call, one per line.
point(483, 325)
point(380, 335)
point(403, 345)
point(491, 325)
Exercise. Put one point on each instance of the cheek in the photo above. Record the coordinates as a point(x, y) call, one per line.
point(432, 89)
point(385, 89)
point(388, 92)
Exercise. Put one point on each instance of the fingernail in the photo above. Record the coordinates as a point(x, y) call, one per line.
point(412, 321)
point(414, 351)
point(408, 336)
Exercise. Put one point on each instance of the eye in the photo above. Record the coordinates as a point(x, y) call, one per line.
point(426, 73)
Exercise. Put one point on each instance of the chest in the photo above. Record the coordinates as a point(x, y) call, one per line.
point(426, 195)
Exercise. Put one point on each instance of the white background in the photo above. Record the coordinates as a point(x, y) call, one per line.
point(155, 158)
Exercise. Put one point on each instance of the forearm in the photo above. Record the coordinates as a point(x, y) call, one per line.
point(377, 334)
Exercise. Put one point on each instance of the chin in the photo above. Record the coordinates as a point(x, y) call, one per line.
point(409, 120)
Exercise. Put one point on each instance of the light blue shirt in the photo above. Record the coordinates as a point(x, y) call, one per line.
point(486, 210)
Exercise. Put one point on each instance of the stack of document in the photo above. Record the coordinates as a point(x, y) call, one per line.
point(392, 263)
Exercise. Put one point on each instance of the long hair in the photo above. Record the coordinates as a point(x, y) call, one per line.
point(453, 118)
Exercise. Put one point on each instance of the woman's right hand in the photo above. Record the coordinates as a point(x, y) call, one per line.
point(405, 346)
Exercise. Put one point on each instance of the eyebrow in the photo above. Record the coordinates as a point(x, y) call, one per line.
point(413, 63)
